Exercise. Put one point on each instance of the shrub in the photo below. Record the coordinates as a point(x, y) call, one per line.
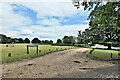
point(59, 44)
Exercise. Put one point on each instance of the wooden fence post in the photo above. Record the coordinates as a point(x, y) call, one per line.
point(27, 50)
point(9, 55)
point(37, 49)
point(111, 55)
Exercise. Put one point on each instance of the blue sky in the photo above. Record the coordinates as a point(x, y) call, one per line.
point(51, 20)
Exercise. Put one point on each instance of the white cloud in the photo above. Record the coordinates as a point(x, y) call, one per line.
point(86, 21)
point(0, 17)
point(54, 32)
point(51, 21)
point(26, 32)
point(12, 21)
point(36, 1)
point(61, 9)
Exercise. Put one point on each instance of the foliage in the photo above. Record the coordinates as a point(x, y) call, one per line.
point(48, 42)
point(36, 40)
point(20, 40)
point(80, 38)
point(4, 39)
point(51, 41)
point(59, 44)
point(69, 40)
point(59, 41)
point(26, 40)
point(104, 24)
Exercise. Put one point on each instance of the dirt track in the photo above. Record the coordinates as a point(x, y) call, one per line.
point(68, 63)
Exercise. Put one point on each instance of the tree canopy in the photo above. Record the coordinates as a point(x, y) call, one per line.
point(26, 40)
point(36, 40)
point(104, 25)
point(69, 40)
point(59, 41)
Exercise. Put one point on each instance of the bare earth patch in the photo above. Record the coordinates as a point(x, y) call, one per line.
point(56, 64)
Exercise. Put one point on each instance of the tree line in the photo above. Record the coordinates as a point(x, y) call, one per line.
point(66, 40)
point(4, 39)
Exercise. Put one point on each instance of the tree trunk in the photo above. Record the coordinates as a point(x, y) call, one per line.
point(109, 46)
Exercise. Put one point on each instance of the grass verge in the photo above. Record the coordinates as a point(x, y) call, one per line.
point(103, 54)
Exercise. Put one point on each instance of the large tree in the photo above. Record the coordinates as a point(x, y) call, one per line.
point(80, 37)
point(36, 40)
point(20, 40)
point(104, 23)
point(59, 41)
point(4, 39)
point(69, 40)
point(26, 40)
point(48, 42)
point(51, 41)
point(15, 40)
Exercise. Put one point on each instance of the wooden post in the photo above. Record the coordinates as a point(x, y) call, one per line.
point(111, 55)
point(37, 49)
point(6, 45)
point(92, 51)
point(27, 50)
point(9, 55)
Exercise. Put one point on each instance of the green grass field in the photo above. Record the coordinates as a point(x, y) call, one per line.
point(19, 51)
point(103, 54)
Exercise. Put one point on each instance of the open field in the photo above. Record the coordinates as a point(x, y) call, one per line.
point(103, 54)
point(19, 51)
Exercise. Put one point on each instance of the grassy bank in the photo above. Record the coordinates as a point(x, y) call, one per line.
point(19, 51)
point(103, 54)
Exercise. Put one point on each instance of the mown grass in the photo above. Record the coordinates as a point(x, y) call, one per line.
point(19, 51)
point(103, 54)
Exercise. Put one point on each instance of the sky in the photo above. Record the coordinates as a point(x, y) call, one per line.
point(44, 20)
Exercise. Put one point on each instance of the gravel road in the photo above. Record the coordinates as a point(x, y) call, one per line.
point(71, 63)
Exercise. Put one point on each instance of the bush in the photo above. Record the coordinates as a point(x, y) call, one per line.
point(59, 44)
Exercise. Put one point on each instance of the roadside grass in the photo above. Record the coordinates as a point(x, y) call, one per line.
point(103, 54)
point(19, 51)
